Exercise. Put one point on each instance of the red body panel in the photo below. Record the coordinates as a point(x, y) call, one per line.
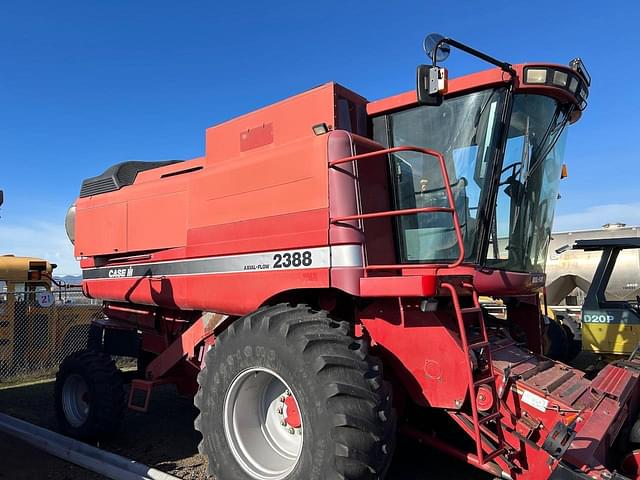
point(222, 209)
point(232, 293)
point(426, 356)
point(218, 205)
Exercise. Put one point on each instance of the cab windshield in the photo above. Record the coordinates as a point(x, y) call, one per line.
point(529, 182)
point(466, 130)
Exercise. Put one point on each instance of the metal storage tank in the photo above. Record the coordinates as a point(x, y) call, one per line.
point(573, 269)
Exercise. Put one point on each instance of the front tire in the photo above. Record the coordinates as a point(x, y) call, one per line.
point(555, 341)
point(89, 396)
point(288, 393)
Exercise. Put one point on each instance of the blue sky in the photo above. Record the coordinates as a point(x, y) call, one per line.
point(85, 84)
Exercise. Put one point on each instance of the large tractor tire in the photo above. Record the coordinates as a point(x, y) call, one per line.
point(89, 396)
point(288, 393)
point(555, 342)
point(575, 346)
point(572, 330)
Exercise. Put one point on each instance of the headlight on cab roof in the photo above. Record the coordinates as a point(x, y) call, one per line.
point(535, 75)
point(574, 79)
point(560, 78)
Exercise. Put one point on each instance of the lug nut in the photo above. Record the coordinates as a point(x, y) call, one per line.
point(280, 410)
point(282, 399)
point(291, 431)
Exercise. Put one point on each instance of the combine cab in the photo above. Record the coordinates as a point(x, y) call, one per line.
point(313, 280)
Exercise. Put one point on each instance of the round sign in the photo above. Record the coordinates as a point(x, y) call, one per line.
point(45, 299)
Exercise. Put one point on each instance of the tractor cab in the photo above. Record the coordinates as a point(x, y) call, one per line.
point(502, 136)
point(608, 325)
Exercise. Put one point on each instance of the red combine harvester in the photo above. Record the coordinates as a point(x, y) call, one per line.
point(313, 280)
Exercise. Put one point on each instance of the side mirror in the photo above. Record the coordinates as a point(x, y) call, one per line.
point(436, 48)
point(432, 80)
point(431, 85)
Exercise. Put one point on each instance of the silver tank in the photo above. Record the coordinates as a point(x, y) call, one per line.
point(571, 272)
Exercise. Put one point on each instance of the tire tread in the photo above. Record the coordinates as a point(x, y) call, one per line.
point(357, 398)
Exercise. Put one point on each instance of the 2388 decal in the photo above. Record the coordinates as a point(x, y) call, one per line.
point(292, 260)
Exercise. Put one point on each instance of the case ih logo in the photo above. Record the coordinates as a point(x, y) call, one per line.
point(120, 272)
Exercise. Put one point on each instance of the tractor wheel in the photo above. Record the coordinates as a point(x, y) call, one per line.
point(555, 341)
point(89, 396)
point(575, 346)
point(572, 330)
point(288, 393)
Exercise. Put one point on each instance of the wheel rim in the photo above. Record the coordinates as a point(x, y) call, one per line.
point(75, 400)
point(263, 424)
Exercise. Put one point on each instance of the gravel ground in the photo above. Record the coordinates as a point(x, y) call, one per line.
point(164, 439)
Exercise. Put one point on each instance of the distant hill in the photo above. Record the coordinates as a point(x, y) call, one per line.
point(69, 279)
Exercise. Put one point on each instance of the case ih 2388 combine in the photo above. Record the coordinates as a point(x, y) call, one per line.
point(313, 280)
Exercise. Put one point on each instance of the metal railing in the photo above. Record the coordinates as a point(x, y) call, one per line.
point(451, 209)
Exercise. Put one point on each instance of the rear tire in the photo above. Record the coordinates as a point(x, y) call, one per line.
point(89, 396)
point(346, 424)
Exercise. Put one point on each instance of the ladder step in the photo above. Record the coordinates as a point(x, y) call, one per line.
point(486, 458)
point(480, 344)
point(490, 417)
point(476, 425)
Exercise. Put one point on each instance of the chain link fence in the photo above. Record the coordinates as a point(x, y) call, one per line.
point(39, 328)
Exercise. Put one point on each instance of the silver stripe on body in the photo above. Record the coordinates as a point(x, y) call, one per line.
point(305, 258)
point(346, 256)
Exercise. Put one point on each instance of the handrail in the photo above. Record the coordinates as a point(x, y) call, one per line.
point(392, 213)
point(409, 211)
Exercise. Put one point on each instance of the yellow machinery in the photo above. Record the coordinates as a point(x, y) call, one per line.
point(609, 326)
point(36, 329)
